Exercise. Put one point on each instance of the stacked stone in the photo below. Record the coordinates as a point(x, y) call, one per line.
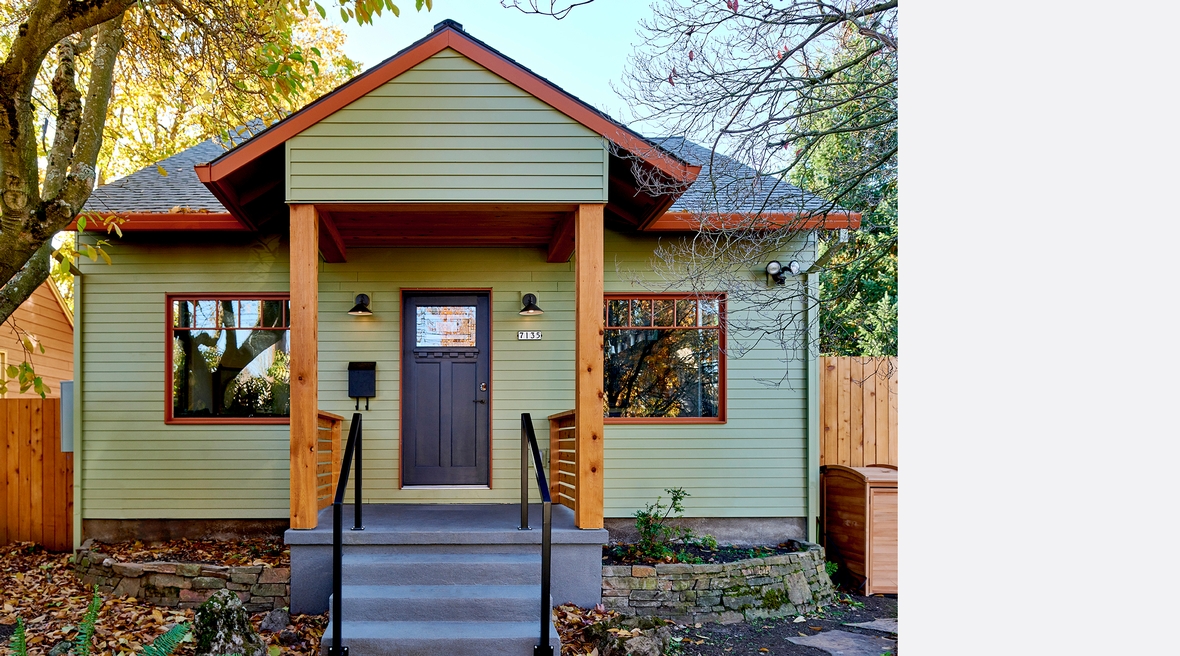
point(757, 588)
point(184, 585)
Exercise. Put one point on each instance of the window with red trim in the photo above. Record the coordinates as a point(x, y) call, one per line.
point(663, 357)
point(229, 358)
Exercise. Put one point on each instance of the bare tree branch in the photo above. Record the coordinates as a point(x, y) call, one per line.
point(558, 9)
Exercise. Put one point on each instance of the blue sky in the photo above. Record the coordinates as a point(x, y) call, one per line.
point(583, 53)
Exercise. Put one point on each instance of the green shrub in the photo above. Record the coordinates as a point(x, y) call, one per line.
point(831, 568)
point(656, 534)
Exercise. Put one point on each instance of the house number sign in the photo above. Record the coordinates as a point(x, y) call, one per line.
point(528, 334)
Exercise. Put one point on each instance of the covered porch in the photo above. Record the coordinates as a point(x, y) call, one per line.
point(575, 447)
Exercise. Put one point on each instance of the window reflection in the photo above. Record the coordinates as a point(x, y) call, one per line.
point(230, 358)
point(671, 370)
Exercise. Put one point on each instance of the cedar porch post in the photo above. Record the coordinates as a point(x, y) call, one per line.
point(588, 393)
point(305, 262)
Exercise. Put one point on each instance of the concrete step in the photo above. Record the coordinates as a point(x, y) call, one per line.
point(440, 638)
point(414, 603)
point(440, 567)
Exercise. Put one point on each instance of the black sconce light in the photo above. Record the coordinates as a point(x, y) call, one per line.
point(530, 308)
point(778, 272)
point(361, 309)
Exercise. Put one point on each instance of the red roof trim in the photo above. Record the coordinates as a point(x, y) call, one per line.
point(691, 221)
point(448, 37)
point(170, 221)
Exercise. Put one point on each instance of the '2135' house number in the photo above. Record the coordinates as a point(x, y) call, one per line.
point(528, 334)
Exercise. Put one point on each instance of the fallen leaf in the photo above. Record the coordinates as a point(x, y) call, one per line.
point(800, 619)
point(816, 628)
point(764, 649)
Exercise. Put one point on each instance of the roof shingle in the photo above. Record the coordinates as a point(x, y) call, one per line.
point(148, 191)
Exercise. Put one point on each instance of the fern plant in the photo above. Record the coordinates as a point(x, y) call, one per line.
point(164, 644)
point(167, 643)
point(86, 628)
point(17, 642)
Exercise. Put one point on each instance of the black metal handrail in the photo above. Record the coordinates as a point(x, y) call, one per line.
point(528, 438)
point(353, 446)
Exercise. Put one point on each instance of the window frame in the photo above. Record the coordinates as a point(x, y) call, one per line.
point(722, 372)
point(168, 370)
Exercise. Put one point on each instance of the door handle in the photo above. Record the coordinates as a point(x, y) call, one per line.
point(479, 401)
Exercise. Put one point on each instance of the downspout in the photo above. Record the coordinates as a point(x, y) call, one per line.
point(811, 316)
point(79, 442)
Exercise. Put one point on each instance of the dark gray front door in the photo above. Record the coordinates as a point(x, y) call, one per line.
point(445, 355)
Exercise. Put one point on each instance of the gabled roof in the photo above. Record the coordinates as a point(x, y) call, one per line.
point(213, 196)
point(447, 34)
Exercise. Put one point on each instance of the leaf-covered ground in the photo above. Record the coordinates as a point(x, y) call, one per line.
point(250, 551)
point(41, 588)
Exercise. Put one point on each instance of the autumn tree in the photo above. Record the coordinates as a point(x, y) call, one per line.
point(110, 85)
point(804, 93)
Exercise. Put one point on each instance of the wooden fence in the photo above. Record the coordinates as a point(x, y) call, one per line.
point(38, 478)
point(858, 411)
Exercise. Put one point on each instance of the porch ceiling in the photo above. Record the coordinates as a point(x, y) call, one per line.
point(416, 224)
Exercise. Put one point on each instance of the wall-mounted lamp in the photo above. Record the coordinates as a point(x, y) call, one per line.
point(361, 309)
point(530, 308)
point(778, 272)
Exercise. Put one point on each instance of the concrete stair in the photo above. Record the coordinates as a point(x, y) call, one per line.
point(441, 599)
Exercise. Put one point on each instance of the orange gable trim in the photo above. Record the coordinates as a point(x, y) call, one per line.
point(448, 37)
point(171, 221)
point(691, 222)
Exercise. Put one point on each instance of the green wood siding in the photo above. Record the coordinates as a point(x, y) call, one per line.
point(754, 465)
point(133, 466)
point(447, 130)
point(527, 376)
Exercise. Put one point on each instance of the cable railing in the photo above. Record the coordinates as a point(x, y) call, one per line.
point(353, 447)
point(528, 441)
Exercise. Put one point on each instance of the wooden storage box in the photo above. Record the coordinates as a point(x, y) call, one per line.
point(859, 523)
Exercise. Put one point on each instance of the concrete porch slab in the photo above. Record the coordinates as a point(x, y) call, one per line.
point(443, 523)
point(427, 537)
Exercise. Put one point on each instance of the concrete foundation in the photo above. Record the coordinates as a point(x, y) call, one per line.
point(739, 531)
point(159, 530)
point(433, 530)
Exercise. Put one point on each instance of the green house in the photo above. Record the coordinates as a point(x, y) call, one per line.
point(439, 246)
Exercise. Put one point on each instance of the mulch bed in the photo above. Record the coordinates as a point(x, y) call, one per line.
point(41, 588)
point(251, 551)
point(624, 554)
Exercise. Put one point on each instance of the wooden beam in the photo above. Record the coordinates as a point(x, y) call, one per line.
point(561, 245)
point(588, 392)
point(331, 243)
point(305, 262)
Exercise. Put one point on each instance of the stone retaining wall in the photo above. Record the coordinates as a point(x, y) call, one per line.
point(184, 585)
point(774, 586)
